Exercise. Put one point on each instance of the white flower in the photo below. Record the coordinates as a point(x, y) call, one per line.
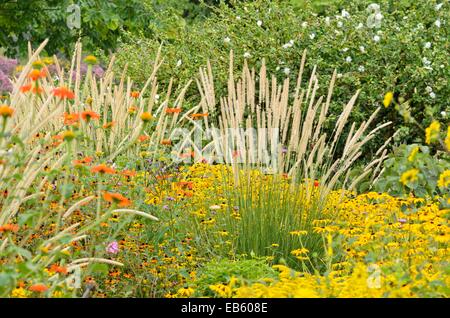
point(373, 7)
point(288, 45)
point(427, 45)
point(345, 49)
point(359, 26)
point(348, 59)
point(214, 207)
point(345, 13)
point(361, 68)
point(277, 69)
point(443, 114)
point(259, 23)
point(312, 36)
point(340, 24)
point(428, 89)
point(339, 75)
point(376, 38)
point(304, 24)
point(378, 17)
point(327, 20)
point(432, 95)
point(246, 55)
point(286, 70)
point(156, 97)
point(438, 23)
point(362, 49)
point(291, 42)
point(426, 61)
point(227, 40)
point(178, 63)
point(438, 6)
point(238, 17)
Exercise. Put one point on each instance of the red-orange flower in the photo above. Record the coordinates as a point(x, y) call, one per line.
point(109, 124)
point(87, 115)
point(39, 288)
point(185, 184)
point(9, 228)
point(129, 173)
point(143, 138)
point(31, 88)
point(199, 115)
point(316, 183)
point(58, 269)
point(116, 198)
point(173, 110)
point(36, 74)
point(85, 160)
point(70, 119)
point(102, 168)
point(63, 93)
point(134, 94)
point(166, 142)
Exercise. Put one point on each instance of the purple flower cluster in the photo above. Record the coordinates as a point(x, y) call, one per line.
point(7, 67)
point(97, 71)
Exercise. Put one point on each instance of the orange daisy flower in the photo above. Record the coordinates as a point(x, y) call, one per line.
point(87, 115)
point(31, 88)
point(129, 173)
point(166, 142)
point(39, 288)
point(134, 94)
point(102, 168)
point(199, 115)
point(173, 110)
point(143, 138)
point(63, 93)
point(70, 119)
point(9, 228)
point(6, 111)
point(36, 74)
point(109, 124)
point(58, 269)
point(116, 198)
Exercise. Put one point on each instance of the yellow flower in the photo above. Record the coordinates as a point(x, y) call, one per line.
point(299, 251)
point(90, 60)
point(409, 176)
point(68, 135)
point(298, 233)
point(447, 139)
point(6, 111)
point(432, 132)
point(185, 292)
point(444, 179)
point(19, 293)
point(388, 99)
point(38, 64)
point(413, 153)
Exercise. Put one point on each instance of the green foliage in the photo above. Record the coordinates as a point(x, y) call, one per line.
point(371, 59)
point(402, 160)
point(221, 271)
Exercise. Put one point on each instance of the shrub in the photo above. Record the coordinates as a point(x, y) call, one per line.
point(407, 52)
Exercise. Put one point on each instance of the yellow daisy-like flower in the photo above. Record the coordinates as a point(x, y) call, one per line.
point(432, 132)
point(447, 139)
point(388, 99)
point(413, 153)
point(409, 176)
point(444, 179)
point(90, 60)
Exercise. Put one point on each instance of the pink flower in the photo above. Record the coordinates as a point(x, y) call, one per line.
point(113, 247)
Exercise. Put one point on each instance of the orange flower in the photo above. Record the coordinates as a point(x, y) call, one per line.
point(187, 154)
point(85, 160)
point(116, 198)
point(9, 228)
point(173, 110)
point(6, 111)
point(166, 142)
point(63, 93)
point(87, 115)
point(39, 288)
point(102, 168)
point(316, 183)
point(70, 119)
point(36, 74)
point(132, 110)
point(143, 138)
point(146, 117)
point(199, 115)
point(134, 94)
point(128, 173)
point(58, 269)
point(30, 87)
point(185, 184)
point(109, 124)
